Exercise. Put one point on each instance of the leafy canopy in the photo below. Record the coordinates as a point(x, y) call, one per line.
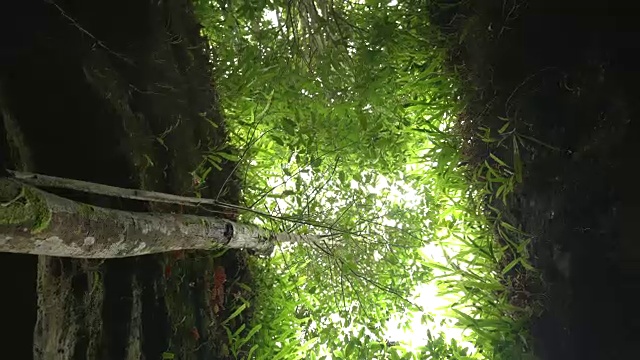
point(342, 112)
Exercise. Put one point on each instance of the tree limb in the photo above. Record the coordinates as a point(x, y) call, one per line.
point(33, 221)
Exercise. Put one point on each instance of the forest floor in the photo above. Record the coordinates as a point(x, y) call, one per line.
point(565, 74)
point(91, 91)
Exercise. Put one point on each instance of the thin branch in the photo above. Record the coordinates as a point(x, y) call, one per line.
point(86, 32)
point(40, 180)
point(382, 287)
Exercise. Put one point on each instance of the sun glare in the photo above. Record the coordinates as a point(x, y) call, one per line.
point(409, 329)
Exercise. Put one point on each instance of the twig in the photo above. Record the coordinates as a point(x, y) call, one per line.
point(526, 80)
point(40, 180)
point(86, 32)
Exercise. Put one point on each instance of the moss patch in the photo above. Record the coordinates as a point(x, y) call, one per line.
point(24, 207)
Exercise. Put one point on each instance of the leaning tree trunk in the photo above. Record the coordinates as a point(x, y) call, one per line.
point(33, 221)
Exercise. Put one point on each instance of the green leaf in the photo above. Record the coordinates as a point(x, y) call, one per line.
point(230, 157)
point(504, 127)
point(289, 126)
point(278, 140)
point(349, 349)
point(251, 351)
point(510, 266)
point(498, 160)
point(238, 331)
point(363, 122)
point(237, 312)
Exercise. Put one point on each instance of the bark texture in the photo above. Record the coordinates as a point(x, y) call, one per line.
point(36, 222)
point(73, 328)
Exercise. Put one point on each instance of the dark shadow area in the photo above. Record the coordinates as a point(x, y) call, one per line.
point(566, 73)
point(18, 303)
point(102, 91)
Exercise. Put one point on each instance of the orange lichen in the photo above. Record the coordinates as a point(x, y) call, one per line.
point(217, 292)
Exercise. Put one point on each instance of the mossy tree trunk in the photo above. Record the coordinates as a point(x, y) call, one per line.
point(33, 221)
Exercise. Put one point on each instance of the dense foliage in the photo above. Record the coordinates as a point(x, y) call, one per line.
point(343, 117)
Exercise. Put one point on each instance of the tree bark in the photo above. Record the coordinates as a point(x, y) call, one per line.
point(33, 221)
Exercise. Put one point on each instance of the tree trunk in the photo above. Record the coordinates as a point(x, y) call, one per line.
point(33, 221)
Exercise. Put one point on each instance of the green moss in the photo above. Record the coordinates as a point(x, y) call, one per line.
point(96, 284)
point(40, 212)
point(85, 210)
point(13, 211)
point(26, 207)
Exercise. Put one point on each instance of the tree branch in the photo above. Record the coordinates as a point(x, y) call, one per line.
point(33, 221)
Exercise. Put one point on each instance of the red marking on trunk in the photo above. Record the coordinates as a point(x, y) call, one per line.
point(178, 254)
point(195, 333)
point(217, 292)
